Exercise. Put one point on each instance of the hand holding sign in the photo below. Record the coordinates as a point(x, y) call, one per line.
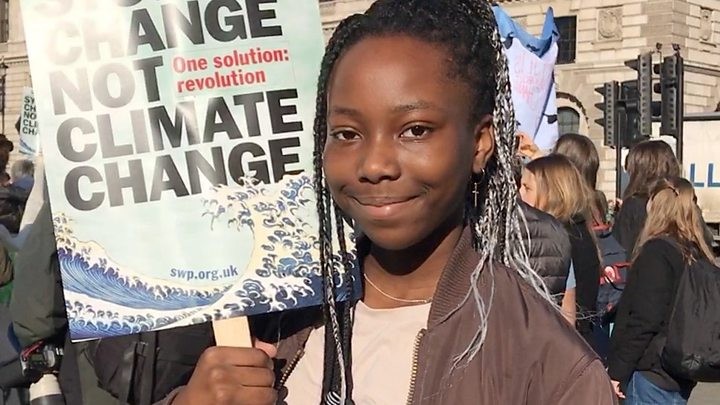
point(231, 375)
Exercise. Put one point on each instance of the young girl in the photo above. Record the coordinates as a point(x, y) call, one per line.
point(414, 143)
point(582, 153)
point(647, 162)
point(671, 238)
point(552, 184)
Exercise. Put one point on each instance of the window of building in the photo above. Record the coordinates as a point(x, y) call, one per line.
point(568, 121)
point(4, 20)
point(567, 44)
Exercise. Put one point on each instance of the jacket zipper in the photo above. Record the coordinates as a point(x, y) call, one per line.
point(290, 368)
point(413, 377)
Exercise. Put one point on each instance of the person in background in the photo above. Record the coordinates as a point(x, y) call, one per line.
point(12, 202)
point(671, 238)
point(646, 163)
point(549, 251)
point(22, 174)
point(583, 154)
point(552, 184)
point(12, 199)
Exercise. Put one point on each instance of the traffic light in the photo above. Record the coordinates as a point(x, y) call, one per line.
point(610, 93)
point(671, 93)
point(644, 66)
point(630, 117)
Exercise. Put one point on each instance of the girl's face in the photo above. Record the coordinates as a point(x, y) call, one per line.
point(401, 144)
point(528, 188)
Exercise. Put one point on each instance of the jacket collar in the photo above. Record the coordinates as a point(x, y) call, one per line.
point(454, 284)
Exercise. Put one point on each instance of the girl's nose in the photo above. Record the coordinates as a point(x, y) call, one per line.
point(379, 160)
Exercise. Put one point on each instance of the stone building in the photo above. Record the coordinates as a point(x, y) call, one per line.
point(14, 55)
point(597, 37)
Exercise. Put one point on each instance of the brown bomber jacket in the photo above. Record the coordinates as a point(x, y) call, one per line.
point(531, 354)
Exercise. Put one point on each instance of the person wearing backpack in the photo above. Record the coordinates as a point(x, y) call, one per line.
point(583, 154)
point(671, 240)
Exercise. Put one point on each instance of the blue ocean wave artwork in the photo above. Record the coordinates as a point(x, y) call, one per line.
point(105, 298)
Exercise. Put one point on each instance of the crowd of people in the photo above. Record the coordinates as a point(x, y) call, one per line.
point(659, 226)
point(483, 258)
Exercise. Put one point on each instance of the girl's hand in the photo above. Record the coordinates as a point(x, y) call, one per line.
point(616, 387)
point(232, 376)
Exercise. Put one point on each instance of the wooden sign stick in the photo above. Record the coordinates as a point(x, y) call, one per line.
point(233, 332)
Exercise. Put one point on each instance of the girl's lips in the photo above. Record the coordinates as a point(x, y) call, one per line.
point(383, 207)
point(381, 201)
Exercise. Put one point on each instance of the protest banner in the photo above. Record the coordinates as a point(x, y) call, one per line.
point(177, 137)
point(531, 64)
point(29, 141)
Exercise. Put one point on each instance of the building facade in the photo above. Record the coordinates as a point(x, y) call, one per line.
point(597, 37)
point(14, 54)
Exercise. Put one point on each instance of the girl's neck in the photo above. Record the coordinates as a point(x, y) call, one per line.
point(410, 274)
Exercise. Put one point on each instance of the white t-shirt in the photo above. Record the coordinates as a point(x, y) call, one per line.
point(383, 341)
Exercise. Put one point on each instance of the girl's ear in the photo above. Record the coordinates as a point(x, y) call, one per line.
point(484, 143)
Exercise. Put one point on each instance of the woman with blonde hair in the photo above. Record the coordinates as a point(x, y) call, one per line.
point(671, 239)
point(553, 184)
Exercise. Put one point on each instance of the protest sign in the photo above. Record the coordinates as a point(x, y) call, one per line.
point(29, 141)
point(531, 64)
point(177, 137)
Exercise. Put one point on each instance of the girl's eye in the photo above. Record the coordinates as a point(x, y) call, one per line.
point(416, 131)
point(344, 135)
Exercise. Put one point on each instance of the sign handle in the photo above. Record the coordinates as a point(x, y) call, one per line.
point(233, 332)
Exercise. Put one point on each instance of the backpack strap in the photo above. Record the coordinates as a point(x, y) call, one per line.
point(127, 372)
point(145, 347)
point(149, 347)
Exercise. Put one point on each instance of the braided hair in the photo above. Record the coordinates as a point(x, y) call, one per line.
point(468, 31)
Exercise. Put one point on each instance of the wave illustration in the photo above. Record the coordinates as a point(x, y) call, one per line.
point(105, 299)
point(284, 268)
point(89, 318)
point(87, 270)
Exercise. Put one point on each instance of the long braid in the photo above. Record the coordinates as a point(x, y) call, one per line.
point(468, 31)
point(347, 305)
point(336, 370)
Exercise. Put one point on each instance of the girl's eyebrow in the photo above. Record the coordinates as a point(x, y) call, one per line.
point(340, 110)
point(417, 105)
point(399, 109)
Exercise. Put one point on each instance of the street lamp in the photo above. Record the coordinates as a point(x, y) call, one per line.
point(3, 75)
